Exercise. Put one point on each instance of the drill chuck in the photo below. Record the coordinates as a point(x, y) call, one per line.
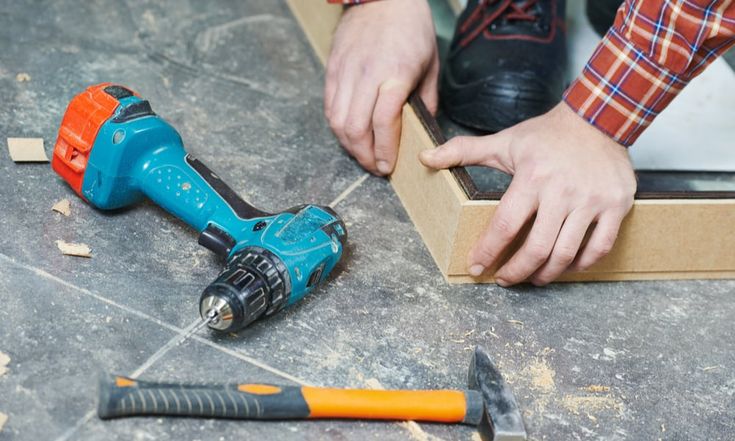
point(254, 284)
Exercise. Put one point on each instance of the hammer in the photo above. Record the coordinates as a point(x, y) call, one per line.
point(488, 404)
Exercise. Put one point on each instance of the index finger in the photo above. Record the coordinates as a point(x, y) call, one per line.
point(387, 122)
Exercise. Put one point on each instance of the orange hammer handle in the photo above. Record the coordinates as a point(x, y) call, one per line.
point(443, 406)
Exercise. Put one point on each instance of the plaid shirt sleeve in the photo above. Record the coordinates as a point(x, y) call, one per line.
point(649, 55)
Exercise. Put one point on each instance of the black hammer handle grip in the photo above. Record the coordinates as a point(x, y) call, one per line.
point(121, 396)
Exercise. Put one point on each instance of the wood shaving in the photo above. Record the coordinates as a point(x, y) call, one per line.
point(27, 150)
point(515, 322)
point(4, 361)
point(3, 419)
point(63, 207)
point(74, 249)
point(22, 77)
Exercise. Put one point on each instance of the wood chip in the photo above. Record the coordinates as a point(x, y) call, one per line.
point(3, 419)
point(74, 249)
point(4, 361)
point(22, 77)
point(63, 207)
point(27, 150)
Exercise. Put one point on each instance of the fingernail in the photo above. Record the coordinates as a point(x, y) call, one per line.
point(383, 167)
point(476, 270)
point(502, 282)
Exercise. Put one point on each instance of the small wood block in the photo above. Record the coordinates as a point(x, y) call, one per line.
point(74, 249)
point(63, 207)
point(27, 150)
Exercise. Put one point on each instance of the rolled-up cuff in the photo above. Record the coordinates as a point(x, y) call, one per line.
point(621, 90)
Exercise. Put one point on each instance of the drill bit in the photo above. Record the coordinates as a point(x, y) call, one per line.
point(212, 316)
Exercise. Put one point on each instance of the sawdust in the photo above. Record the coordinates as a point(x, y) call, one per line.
point(596, 388)
point(586, 404)
point(22, 77)
point(63, 207)
point(373, 383)
point(3, 419)
point(542, 376)
point(74, 249)
point(4, 361)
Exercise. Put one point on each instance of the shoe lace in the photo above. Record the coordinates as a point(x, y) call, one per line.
point(507, 10)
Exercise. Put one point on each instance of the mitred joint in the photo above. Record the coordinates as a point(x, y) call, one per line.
point(82, 121)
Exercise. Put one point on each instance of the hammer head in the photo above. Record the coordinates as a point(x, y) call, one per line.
point(501, 420)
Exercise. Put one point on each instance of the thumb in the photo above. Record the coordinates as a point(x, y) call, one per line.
point(490, 151)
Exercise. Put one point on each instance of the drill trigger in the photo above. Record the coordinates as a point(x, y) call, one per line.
point(216, 240)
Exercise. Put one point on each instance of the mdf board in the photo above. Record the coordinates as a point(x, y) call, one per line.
point(666, 237)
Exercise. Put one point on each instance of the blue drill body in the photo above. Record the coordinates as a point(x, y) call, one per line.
point(274, 260)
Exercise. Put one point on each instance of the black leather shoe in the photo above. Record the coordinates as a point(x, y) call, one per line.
point(602, 14)
point(507, 62)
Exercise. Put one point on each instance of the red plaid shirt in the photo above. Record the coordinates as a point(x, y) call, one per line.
point(649, 55)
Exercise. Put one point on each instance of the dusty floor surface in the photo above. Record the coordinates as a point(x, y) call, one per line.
point(612, 361)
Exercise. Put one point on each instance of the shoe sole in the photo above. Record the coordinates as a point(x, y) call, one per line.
point(491, 107)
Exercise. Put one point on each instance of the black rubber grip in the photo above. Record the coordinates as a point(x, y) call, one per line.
point(120, 397)
point(243, 209)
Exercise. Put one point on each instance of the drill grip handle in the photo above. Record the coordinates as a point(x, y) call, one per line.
point(121, 397)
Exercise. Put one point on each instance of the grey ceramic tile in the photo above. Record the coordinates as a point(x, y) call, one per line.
point(59, 339)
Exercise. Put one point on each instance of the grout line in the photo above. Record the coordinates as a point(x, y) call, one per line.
point(163, 350)
point(181, 332)
point(136, 373)
point(253, 361)
point(349, 190)
point(78, 425)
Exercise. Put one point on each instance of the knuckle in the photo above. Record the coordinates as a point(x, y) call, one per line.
point(565, 255)
point(603, 246)
point(594, 199)
point(484, 255)
point(354, 129)
point(537, 251)
point(512, 275)
point(502, 227)
point(336, 125)
point(538, 176)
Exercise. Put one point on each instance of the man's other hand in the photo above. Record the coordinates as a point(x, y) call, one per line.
point(565, 172)
point(381, 52)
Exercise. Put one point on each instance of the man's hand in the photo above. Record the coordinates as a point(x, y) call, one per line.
point(381, 52)
point(567, 173)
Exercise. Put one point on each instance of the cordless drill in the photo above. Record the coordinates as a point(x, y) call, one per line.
point(113, 150)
